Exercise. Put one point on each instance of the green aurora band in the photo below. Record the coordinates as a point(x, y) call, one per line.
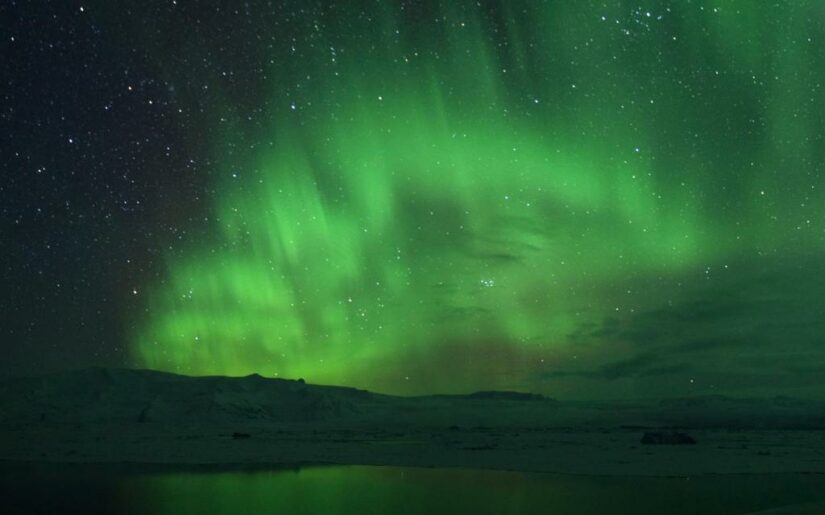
point(446, 197)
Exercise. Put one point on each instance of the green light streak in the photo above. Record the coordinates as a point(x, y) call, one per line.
point(440, 211)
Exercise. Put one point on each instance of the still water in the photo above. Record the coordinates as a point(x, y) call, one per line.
point(392, 490)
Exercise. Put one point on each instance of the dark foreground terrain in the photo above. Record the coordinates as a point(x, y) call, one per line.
point(141, 416)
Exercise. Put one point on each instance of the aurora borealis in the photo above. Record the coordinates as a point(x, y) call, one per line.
point(577, 198)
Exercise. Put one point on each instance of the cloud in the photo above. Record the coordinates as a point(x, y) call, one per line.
point(760, 322)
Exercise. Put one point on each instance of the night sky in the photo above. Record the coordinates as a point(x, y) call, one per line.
point(585, 199)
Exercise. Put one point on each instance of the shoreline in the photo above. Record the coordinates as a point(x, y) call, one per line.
point(144, 468)
point(605, 452)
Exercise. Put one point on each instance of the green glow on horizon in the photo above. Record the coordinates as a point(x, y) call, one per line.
point(441, 212)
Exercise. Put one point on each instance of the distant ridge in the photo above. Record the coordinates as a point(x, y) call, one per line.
point(501, 395)
point(106, 415)
point(99, 394)
point(115, 395)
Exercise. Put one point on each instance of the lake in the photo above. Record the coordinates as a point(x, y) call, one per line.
point(45, 488)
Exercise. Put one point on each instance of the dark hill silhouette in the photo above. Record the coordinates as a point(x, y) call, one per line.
point(121, 415)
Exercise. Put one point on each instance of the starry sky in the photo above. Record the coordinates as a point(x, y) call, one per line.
point(584, 199)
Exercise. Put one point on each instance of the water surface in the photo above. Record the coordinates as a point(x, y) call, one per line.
point(365, 490)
